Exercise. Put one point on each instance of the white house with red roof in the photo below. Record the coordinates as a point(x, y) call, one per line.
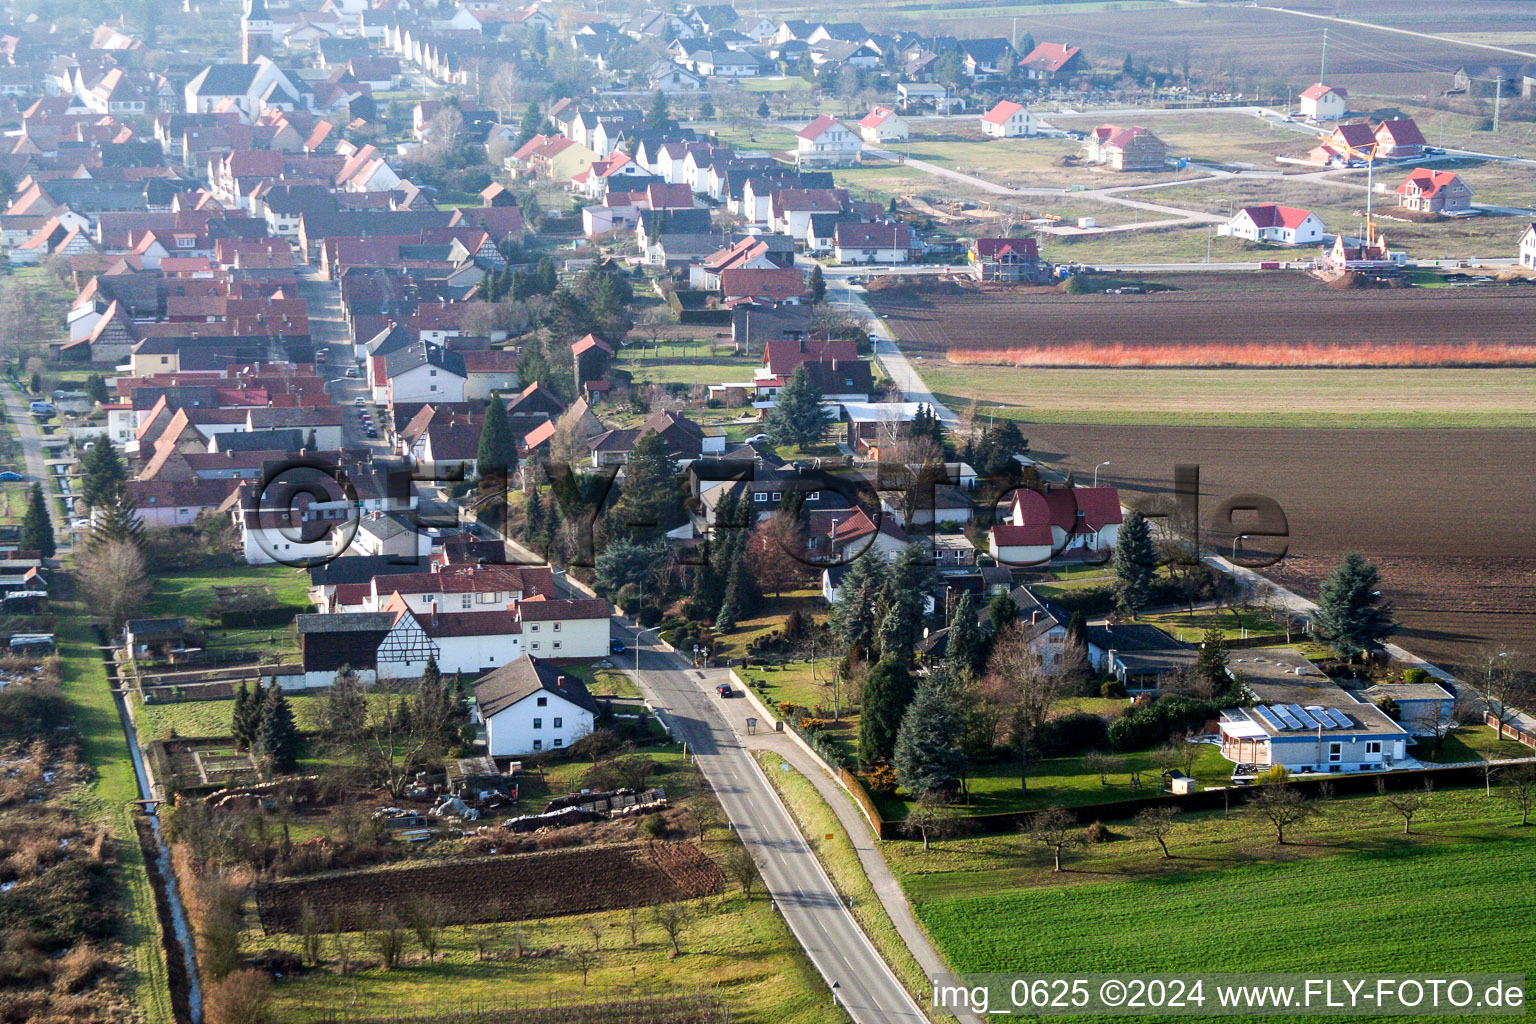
point(1009, 120)
point(1270, 222)
point(827, 142)
point(1431, 191)
point(765, 287)
point(1322, 102)
point(1400, 139)
point(1059, 520)
point(1528, 248)
point(877, 242)
point(1049, 62)
point(883, 125)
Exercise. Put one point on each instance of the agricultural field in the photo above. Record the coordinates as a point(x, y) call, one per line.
point(1208, 320)
point(1252, 398)
point(508, 887)
point(1336, 899)
point(1402, 497)
point(739, 945)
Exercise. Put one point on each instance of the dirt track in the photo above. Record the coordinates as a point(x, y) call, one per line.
point(1447, 514)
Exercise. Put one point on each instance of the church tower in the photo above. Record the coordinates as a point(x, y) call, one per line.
point(255, 32)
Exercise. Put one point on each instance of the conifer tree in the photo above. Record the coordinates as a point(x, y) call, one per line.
point(964, 648)
point(798, 416)
point(277, 738)
point(1351, 616)
point(930, 754)
point(887, 692)
point(1135, 564)
point(247, 713)
point(37, 524)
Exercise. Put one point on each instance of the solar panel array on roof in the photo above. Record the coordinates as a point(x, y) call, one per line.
point(1269, 719)
point(1340, 717)
point(1283, 713)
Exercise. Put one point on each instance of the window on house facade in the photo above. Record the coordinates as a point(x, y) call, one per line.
point(1335, 752)
point(558, 742)
point(541, 701)
point(556, 627)
point(557, 645)
point(1373, 747)
point(538, 744)
point(538, 723)
point(559, 722)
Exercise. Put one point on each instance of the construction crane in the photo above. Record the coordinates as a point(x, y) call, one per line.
point(1366, 152)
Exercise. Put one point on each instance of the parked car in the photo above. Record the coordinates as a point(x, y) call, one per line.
point(724, 689)
point(358, 402)
point(757, 438)
point(11, 475)
point(321, 356)
point(616, 646)
point(354, 372)
point(371, 432)
point(42, 408)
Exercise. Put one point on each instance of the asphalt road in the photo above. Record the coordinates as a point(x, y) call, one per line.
point(826, 930)
point(329, 331)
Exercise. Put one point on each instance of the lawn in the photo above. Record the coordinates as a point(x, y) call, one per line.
point(1061, 782)
point(104, 746)
point(195, 719)
point(770, 617)
point(792, 681)
point(1472, 743)
point(191, 594)
point(604, 682)
point(1349, 897)
point(735, 947)
point(1423, 398)
point(1234, 623)
point(685, 362)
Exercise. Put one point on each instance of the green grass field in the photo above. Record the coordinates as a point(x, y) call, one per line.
point(1349, 896)
point(1060, 782)
point(109, 799)
point(1243, 398)
point(204, 718)
point(734, 946)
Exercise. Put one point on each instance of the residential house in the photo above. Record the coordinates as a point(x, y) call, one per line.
point(826, 142)
point(530, 705)
point(1528, 248)
point(882, 125)
point(1007, 259)
point(1057, 520)
point(1050, 63)
point(1431, 191)
point(1424, 709)
point(1008, 120)
point(1399, 139)
point(1141, 657)
point(564, 628)
point(878, 242)
point(1126, 149)
point(987, 59)
point(1269, 222)
point(766, 287)
point(1313, 727)
point(1322, 102)
point(424, 372)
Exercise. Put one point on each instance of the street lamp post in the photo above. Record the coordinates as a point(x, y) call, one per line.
point(638, 634)
point(1235, 542)
point(1096, 471)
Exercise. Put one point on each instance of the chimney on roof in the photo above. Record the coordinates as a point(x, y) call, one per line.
point(1034, 618)
point(560, 682)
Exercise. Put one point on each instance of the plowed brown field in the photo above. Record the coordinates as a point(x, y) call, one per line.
point(1216, 311)
point(506, 888)
point(1448, 515)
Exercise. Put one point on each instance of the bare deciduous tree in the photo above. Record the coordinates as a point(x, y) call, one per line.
point(1282, 806)
point(113, 579)
point(672, 918)
point(1406, 802)
point(1103, 765)
point(1056, 829)
point(742, 869)
point(933, 818)
point(1156, 823)
point(584, 960)
point(1519, 788)
point(1020, 691)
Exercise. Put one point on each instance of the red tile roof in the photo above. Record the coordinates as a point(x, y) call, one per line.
point(1319, 90)
point(1404, 132)
point(875, 118)
point(1271, 215)
point(543, 609)
point(777, 284)
point(817, 128)
point(995, 248)
point(1009, 536)
point(1002, 112)
point(1049, 56)
point(1425, 182)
